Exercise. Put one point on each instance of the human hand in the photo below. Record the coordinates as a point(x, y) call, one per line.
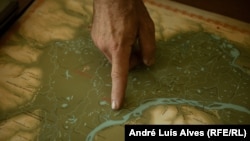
point(116, 27)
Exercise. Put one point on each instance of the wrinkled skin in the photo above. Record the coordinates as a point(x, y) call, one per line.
point(117, 26)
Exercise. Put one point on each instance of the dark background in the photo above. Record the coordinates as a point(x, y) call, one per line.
point(237, 9)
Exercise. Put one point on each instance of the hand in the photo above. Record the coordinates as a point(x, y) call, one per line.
point(116, 27)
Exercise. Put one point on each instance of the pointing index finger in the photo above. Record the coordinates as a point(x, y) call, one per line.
point(119, 75)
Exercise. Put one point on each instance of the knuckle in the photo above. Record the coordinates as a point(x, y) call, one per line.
point(116, 75)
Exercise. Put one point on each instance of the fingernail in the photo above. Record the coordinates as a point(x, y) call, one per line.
point(149, 62)
point(114, 105)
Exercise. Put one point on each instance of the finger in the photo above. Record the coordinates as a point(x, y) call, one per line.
point(147, 43)
point(146, 36)
point(119, 74)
